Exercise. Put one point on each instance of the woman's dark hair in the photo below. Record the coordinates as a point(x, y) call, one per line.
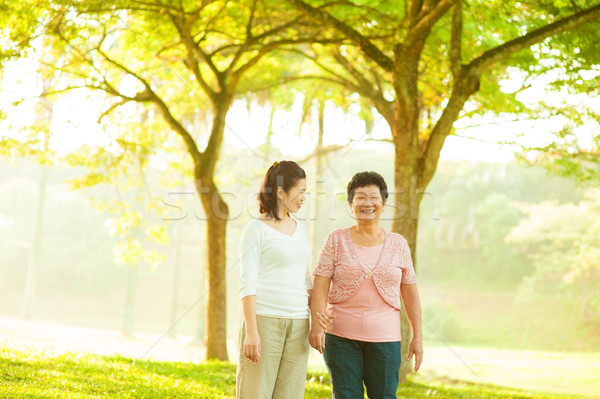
point(362, 179)
point(284, 174)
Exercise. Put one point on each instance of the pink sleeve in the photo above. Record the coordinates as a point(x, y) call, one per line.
point(408, 271)
point(325, 263)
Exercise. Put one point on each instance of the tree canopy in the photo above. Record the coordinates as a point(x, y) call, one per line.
point(168, 72)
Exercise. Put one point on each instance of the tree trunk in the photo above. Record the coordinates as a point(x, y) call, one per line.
point(128, 316)
point(34, 255)
point(268, 147)
point(217, 213)
point(43, 119)
point(318, 188)
point(176, 273)
point(406, 215)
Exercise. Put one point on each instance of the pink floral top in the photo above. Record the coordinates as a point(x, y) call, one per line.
point(339, 262)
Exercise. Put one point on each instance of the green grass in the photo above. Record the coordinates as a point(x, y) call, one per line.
point(573, 373)
point(43, 375)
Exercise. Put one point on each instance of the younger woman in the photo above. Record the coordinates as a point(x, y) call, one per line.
point(274, 289)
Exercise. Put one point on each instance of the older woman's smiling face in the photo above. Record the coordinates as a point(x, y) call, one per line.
point(367, 203)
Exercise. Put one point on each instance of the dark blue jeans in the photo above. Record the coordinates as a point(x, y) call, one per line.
point(351, 362)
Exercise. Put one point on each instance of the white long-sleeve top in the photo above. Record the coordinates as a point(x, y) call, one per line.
point(274, 267)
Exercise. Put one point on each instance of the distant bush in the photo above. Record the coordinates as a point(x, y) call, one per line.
point(439, 321)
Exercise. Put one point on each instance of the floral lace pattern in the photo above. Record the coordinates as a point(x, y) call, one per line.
point(339, 262)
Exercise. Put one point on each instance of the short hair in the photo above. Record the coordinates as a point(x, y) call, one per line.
point(362, 179)
point(284, 174)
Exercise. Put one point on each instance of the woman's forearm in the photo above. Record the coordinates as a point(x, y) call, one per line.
point(249, 313)
point(412, 304)
point(318, 304)
point(318, 299)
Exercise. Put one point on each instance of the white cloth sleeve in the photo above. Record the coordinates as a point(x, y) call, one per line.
point(307, 279)
point(250, 250)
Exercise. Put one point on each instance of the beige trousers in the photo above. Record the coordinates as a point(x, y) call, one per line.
point(281, 370)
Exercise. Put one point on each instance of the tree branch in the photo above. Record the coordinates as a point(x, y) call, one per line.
point(365, 86)
point(363, 43)
point(456, 40)
point(247, 43)
point(148, 95)
point(468, 83)
point(192, 64)
point(488, 58)
point(414, 9)
point(323, 151)
point(429, 155)
point(265, 49)
point(112, 108)
point(428, 16)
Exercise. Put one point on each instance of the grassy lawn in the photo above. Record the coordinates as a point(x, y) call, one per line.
point(40, 375)
point(553, 372)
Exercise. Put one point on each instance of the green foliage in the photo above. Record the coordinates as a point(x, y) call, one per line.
point(562, 243)
point(76, 251)
point(440, 321)
point(495, 216)
point(474, 208)
point(573, 155)
point(486, 25)
point(19, 21)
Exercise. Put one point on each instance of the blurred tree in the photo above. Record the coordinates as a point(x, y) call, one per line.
point(573, 156)
point(423, 64)
point(474, 211)
point(498, 262)
point(20, 22)
point(42, 125)
point(411, 54)
point(563, 243)
point(185, 61)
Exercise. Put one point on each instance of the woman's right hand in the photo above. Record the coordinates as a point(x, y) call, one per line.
point(324, 319)
point(252, 346)
point(316, 337)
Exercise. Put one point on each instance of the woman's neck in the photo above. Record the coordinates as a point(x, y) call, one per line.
point(368, 229)
point(283, 217)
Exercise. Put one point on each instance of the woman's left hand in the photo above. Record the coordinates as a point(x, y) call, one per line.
point(416, 348)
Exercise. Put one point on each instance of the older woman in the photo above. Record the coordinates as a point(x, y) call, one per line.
point(361, 273)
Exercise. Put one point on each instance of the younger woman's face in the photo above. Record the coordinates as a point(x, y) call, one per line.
point(294, 198)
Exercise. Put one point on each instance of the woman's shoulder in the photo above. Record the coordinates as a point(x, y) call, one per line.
point(254, 225)
point(396, 237)
point(300, 224)
point(339, 232)
point(340, 236)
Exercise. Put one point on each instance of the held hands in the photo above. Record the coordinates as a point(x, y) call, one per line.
point(252, 346)
point(316, 337)
point(324, 319)
point(320, 323)
point(416, 348)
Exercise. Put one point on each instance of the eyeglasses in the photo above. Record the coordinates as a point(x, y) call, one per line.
point(359, 200)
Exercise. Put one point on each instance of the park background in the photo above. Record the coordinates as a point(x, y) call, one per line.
point(104, 247)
